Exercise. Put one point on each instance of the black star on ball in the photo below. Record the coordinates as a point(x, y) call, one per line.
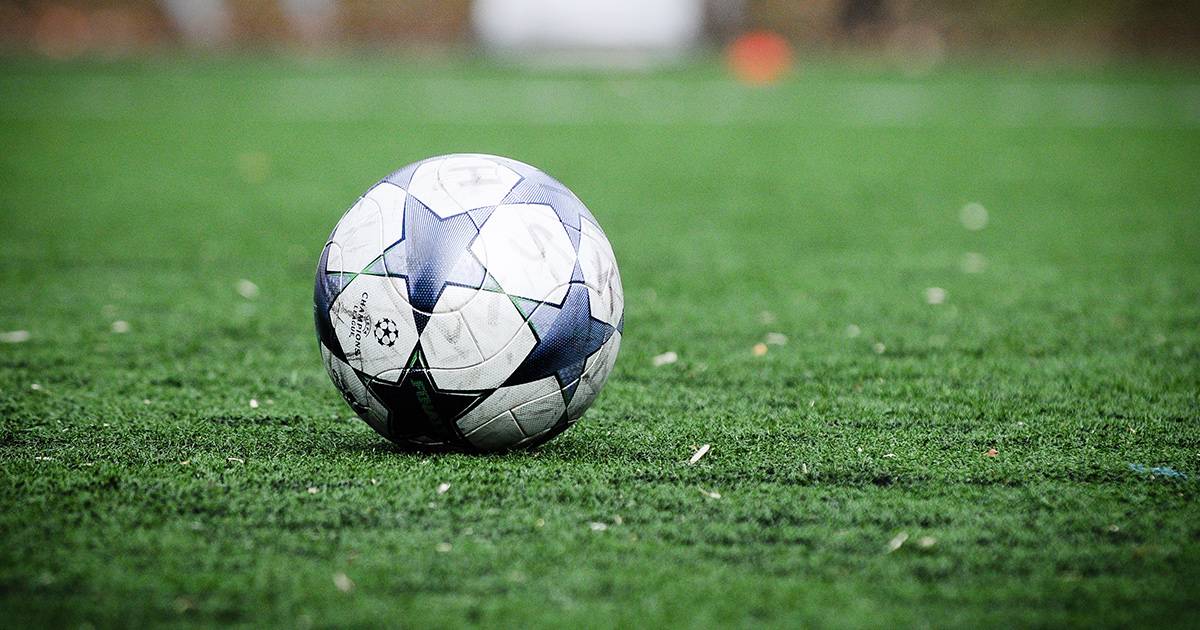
point(386, 332)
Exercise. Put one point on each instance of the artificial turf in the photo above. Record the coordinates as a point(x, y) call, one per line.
point(974, 461)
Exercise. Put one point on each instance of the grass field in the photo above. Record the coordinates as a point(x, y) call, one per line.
point(852, 462)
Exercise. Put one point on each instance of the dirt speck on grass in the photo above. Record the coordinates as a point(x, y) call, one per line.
point(666, 358)
point(15, 336)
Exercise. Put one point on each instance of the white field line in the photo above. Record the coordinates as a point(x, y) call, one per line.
point(626, 101)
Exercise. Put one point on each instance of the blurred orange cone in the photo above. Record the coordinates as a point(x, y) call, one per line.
point(759, 57)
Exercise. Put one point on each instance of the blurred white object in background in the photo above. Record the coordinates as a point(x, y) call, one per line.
point(201, 22)
point(311, 20)
point(614, 30)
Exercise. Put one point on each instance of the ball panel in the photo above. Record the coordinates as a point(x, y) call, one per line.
point(505, 399)
point(545, 190)
point(519, 167)
point(566, 335)
point(494, 322)
point(435, 252)
point(540, 414)
point(469, 271)
point(390, 200)
point(327, 287)
point(595, 374)
point(417, 406)
point(529, 253)
point(456, 184)
point(354, 392)
point(600, 274)
point(403, 175)
point(447, 342)
point(497, 434)
point(375, 331)
point(492, 371)
point(360, 235)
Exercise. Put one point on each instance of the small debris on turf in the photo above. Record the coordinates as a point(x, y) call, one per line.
point(701, 452)
point(254, 403)
point(710, 494)
point(991, 452)
point(443, 488)
point(897, 541)
point(776, 339)
point(35, 387)
point(145, 401)
point(120, 326)
point(541, 522)
point(598, 527)
point(665, 358)
point(15, 336)
point(343, 582)
point(313, 489)
point(374, 482)
point(1158, 471)
point(973, 262)
point(935, 295)
point(888, 455)
point(926, 542)
point(247, 289)
point(617, 520)
point(879, 348)
point(444, 547)
point(1114, 528)
point(236, 460)
point(973, 216)
point(43, 458)
point(186, 462)
point(759, 349)
point(853, 331)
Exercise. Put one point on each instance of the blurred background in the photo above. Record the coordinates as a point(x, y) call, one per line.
point(610, 30)
point(909, 267)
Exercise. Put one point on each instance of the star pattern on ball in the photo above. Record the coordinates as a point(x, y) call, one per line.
point(567, 335)
point(420, 257)
point(476, 289)
point(542, 189)
point(417, 391)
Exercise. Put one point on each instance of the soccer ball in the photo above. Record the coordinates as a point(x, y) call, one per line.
point(469, 301)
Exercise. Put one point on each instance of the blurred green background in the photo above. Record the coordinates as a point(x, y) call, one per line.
point(1021, 28)
point(931, 288)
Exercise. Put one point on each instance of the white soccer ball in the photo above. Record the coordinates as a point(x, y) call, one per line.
point(469, 301)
